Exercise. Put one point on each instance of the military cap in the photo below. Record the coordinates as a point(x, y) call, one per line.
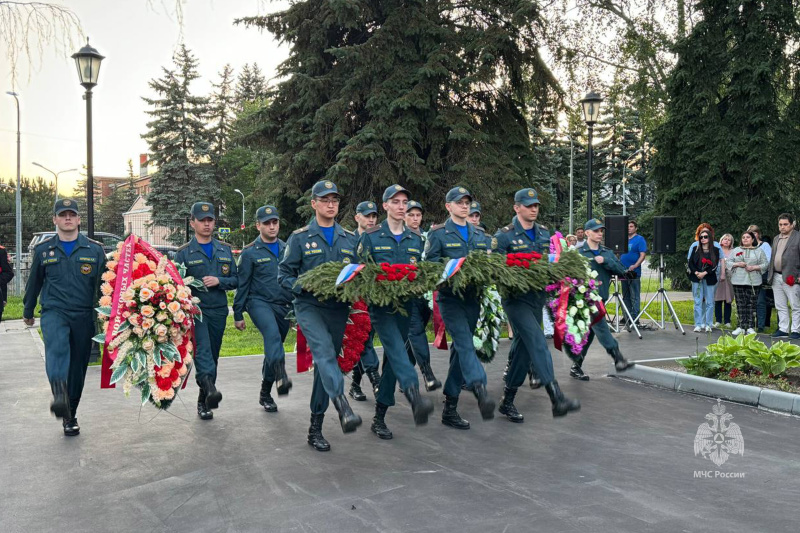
point(527, 197)
point(413, 204)
point(201, 210)
point(267, 212)
point(324, 188)
point(392, 190)
point(457, 193)
point(594, 224)
point(65, 204)
point(367, 208)
point(475, 207)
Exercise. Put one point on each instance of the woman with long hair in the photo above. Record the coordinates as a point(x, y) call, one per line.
point(724, 293)
point(702, 271)
point(745, 266)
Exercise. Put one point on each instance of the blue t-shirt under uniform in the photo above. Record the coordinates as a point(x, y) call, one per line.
point(328, 233)
point(208, 249)
point(636, 245)
point(398, 238)
point(531, 233)
point(464, 231)
point(68, 246)
point(274, 247)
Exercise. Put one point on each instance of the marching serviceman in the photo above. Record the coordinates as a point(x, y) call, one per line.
point(606, 264)
point(394, 243)
point(210, 261)
point(66, 270)
point(366, 217)
point(322, 322)
point(417, 342)
point(267, 303)
point(529, 347)
point(454, 239)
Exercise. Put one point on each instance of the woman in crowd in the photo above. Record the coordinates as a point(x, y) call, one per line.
point(745, 266)
point(572, 241)
point(702, 271)
point(724, 293)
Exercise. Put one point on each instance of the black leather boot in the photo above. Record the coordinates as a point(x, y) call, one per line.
point(315, 437)
point(431, 383)
point(533, 379)
point(355, 391)
point(620, 363)
point(507, 405)
point(282, 382)
point(508, 365)
point(379, 422)
point(450, 416)
point(347, 418)
point(420, 405)
point(213, 396)
point(265, 398)
point(485, 404)
point(70, 423)
point(202, 411)
point(561, 404)
point(577, 370)
point(60, 405)
point(375, 379)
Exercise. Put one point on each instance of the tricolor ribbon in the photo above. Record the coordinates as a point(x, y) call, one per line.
point(452, 266)
point(349, 272)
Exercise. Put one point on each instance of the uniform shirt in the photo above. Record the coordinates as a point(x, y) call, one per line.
point(307, 248)
point(258, 276)
point(513, 239)
point(199, 265)
point(636, 245)
point(380, 245)
point(445, 242)
point(611, 266)
point(66, 282)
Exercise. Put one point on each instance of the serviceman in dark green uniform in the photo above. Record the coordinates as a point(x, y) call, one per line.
point(529, 346)
point(417, 343)
point(475, 214)
point(66, 270)
point(394, 243)
point(606, 264)
point(322, 322)
point(267, 303)
point(210, 261)
point(366, 217)
point(452, 240)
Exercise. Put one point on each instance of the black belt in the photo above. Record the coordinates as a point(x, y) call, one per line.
point(777, 272)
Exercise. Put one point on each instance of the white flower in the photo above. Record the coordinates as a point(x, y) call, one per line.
point(477, 343)
point(581, 289)
point(573, 311)
point(579, 303)
point(581, 325)
point(593, 308)
point(593, 274)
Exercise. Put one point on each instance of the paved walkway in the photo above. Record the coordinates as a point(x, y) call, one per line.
point(625, 463)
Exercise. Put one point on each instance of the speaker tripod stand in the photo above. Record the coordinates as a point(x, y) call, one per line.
point(663, 298)
point(616, 297)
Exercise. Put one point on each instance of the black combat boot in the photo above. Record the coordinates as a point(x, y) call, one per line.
point(508, 365)
point(507, 405)
point(71, 427)
point(347, 418)
point(577, 369)
point(379, 423)
point(375, 379)
point(355, 391)
point(60, 405)
point(213, 396)
point(485, 404)
point(265, 398)
point(450, 416)
point(620, 363)
point(282, 382)
point(534, 380)
point(431, 383)
point(420, 405)
point(202, 411)
point(315, 437)
point(561, 404)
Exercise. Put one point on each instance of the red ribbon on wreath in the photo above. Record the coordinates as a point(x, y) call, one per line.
point(356, 335)
point(440, 334)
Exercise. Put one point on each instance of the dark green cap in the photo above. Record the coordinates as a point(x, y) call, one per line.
point(367, 208)
point(201, 210)
point(527, 197)
point(267, 212)
point(65, 204)
point(392, 190)
point(457, 193)
point(324, 188)
point(413, 204)
point(474, 207)
point(594, 224)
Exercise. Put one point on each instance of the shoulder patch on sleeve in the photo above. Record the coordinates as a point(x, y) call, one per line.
point(300, 230)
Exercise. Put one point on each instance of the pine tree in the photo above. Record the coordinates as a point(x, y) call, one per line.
point(251, 86)
point(428, 94)
point(221, 113)
point(179, 143)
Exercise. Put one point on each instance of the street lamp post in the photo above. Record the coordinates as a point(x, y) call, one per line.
point(88, 60)
point(18, 204)
point(590, 106)
point(571, 182)
point(55, 174)
point(243, 222)
point(624, 182)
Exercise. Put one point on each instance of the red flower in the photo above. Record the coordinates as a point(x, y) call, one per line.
point(706, 261)
point(740, 253)
point(412, 276)
point(790, 281)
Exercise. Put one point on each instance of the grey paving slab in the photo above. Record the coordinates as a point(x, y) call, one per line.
point(624, 463)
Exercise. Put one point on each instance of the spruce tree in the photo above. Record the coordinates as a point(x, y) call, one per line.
point(221, 113)
point(428, 94)
point(179, 143)
point(251, 86)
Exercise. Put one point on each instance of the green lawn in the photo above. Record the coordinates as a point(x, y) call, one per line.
point(13, 310)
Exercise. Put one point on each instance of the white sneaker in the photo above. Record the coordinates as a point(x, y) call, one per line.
point(715, 325)
point(698, 329)
point(750, 331)
point(708, 329)
point(737, 332)
point(728, 325)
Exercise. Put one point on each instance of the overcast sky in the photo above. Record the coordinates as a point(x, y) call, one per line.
point(137, 40)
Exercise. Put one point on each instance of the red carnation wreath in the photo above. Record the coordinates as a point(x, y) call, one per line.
point(356, 335)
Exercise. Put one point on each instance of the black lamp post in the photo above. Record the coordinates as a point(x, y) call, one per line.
point(590, 106)
point(88, 60)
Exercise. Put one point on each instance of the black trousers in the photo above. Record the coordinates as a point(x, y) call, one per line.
point(746, 298)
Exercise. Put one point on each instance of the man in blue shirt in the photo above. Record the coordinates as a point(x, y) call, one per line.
point(211, 261)
point(267, 303)
point(66, 269)
point(632, 261)
point(323, 322)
